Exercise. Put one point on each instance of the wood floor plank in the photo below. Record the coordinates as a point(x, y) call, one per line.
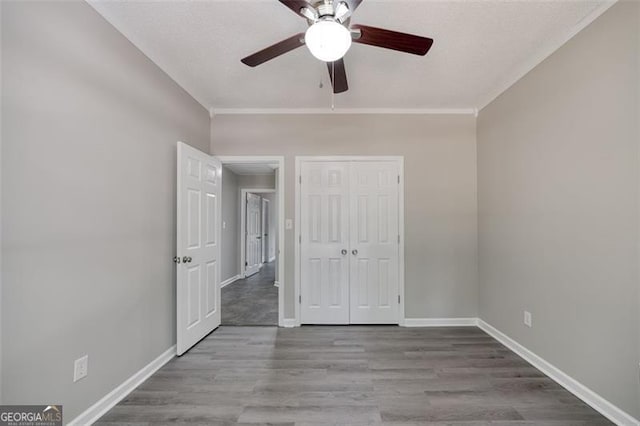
point(313, 376)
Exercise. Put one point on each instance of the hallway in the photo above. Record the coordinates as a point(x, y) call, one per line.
point(253, 300)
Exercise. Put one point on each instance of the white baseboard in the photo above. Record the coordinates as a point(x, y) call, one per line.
point(97, 410)
point(229, 281)
point(594, 400)
point(440, 322)
point(271, 259)
point(288, 322)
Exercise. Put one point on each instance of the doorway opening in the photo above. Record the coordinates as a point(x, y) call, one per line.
point(252, 229)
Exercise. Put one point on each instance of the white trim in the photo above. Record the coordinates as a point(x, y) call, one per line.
point(401, 265)
point(401, 206)
point(543, 54)
point(273, 160)
point(278, 162)
point(229, 281)
point(296, 244)
point(97, 410)
point(440, 322)
point(289, 323)
point(403, 111)
point(276, 284)
point(302, 158)
point(597, 402)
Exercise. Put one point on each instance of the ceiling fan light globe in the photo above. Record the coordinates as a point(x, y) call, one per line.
point(328, 40)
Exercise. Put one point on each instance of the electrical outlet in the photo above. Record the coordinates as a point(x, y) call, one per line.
point(81, 368)
point(527, 319)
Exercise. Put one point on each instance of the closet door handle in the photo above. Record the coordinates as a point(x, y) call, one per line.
point(344, 252)
point(354, 252)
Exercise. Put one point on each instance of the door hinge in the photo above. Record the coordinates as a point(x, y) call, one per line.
point(398, 239)
point(300, 299)
point(300, 239)
point(300, 179)
point(398, 179)
point(398, 298)
point(246, 263)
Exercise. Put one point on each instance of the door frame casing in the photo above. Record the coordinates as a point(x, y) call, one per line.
point(243, 222)
point(297, 228)
point(280, 186)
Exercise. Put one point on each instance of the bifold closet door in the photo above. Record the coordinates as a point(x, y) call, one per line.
point(374, 242)
point(324, 242)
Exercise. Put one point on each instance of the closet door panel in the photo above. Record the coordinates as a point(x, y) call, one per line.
point(324, 268)
point(374, 246)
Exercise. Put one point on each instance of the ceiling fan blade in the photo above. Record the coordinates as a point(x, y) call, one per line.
point(353, 4)
point(273, 51)
point(338, 76)
point(296, 5)
point(387, 39)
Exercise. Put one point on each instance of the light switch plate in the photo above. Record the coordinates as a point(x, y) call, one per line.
point(80, 368)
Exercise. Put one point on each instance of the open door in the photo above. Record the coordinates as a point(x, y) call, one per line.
point(253, 244)
point(265, 231)
point(198, 246)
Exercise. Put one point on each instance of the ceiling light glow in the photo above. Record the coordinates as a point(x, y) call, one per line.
point(328, 40)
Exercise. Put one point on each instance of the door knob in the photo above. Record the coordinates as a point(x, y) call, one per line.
point(186, 259)
point(344, 252)
point(176, 259)
point(189, 259)
point(354, 252)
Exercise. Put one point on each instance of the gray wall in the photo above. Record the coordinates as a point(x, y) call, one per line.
point(558, 208)
point(231, 218)
point(257, 181)
point(88, 208)
point(440, 170)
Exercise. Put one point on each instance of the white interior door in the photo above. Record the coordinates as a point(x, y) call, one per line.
point(265, 230)
point(198, 246)
point(253, 232)
point(374, 242)
point(324, 243)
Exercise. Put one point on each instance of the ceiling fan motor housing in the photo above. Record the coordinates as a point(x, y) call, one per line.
point(330, 35)
point(325, 9)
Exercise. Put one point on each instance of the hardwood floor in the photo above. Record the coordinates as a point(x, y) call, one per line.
point(351, 375)
point(251, 301)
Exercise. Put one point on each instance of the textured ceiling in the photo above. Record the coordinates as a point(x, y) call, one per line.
point(480, 47)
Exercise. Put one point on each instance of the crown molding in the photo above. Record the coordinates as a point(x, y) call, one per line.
point(404, 111)
point(543, 54)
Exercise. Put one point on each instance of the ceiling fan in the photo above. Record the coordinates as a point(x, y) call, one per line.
point(330, 34)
